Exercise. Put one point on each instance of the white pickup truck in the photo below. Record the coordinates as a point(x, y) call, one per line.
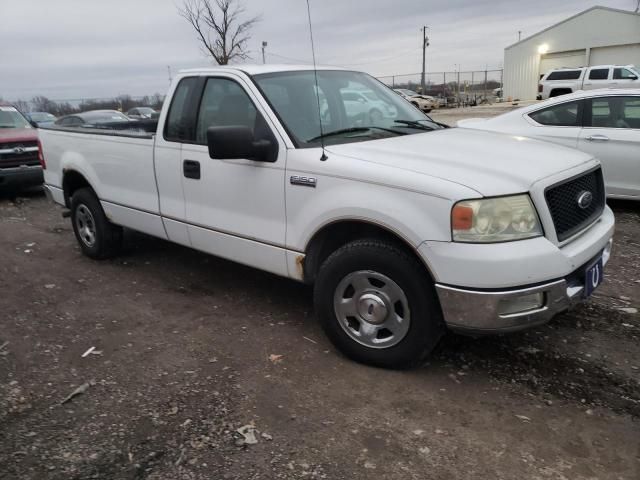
point(562, 81)
point(403, 226)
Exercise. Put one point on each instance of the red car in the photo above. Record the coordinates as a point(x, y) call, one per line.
point(20, 166)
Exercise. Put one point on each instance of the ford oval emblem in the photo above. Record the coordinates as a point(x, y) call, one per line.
point(584, 199)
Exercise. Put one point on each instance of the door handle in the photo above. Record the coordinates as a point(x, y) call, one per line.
point(598, 138)
point(191, 169)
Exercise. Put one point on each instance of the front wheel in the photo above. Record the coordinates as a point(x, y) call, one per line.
point(378, 305)
point(97, 236)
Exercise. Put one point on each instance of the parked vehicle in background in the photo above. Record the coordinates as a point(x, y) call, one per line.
point(365, 103)
point(563, 81)
point(142, 112)
point(602, 123)
point(423, 102)
point(404, 227)
point(41, 119)
point(92, 119)
point(19, 163)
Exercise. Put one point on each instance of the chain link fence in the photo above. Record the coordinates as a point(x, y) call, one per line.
point(453, 89)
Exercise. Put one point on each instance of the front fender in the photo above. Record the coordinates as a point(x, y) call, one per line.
point(412, 216)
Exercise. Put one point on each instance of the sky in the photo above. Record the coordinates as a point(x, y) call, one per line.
point(73, 49)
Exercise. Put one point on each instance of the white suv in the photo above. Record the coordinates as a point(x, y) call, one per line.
point(568, 80)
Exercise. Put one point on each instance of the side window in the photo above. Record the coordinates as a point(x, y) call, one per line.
point(224, 103)
point(623, 74)
point(565, 75)
point(599, 74)
point(563, 115)
point(176, 128)
point(615, 112)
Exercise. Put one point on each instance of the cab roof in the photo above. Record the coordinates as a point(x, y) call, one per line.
point(258, 69)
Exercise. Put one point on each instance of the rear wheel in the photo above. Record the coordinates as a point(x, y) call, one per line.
point(378, 305)
point(98, 238)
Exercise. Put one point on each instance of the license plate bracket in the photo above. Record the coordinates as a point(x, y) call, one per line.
point(593, 277)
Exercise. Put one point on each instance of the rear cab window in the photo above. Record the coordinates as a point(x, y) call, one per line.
point(179, 124)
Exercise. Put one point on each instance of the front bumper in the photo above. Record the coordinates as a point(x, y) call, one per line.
point(21, 177)
point(479, 312)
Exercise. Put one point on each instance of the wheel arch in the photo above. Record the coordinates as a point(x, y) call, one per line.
point(331, 236)
point(72, 180)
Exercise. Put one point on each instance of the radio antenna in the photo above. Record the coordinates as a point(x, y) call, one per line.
point(315, 75)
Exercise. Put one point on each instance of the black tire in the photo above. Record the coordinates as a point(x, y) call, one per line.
point(426, 325)
point(107, 237)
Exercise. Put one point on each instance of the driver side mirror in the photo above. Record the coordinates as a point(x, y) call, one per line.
point(237, 142)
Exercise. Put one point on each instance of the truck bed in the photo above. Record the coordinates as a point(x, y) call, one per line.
point(118, 163)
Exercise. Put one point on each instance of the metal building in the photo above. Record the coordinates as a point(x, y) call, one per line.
point(597, 36)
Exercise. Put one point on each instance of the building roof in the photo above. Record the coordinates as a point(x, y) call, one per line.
point(597, 7)
point(258, 69)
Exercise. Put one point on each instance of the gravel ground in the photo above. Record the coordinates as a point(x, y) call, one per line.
point(190, 348)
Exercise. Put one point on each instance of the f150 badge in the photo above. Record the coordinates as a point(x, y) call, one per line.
point(304, 181)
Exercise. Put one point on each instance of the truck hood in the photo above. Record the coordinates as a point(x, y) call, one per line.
point(489, 163)
point(18, 135)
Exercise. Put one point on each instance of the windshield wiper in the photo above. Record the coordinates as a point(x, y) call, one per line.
point(415, 124)
point(352, 130)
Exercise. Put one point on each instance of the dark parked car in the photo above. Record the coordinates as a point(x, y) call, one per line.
point(92, 119)
point(19, 158)
point(142, 113)
point(41, 119)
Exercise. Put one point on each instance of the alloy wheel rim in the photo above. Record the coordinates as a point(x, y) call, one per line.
point(85, 225)
point(372, 309)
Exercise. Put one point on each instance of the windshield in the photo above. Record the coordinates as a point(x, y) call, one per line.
point(353, 107)
point(12, 118)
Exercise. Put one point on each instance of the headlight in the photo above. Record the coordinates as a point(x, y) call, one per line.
point(491, 220)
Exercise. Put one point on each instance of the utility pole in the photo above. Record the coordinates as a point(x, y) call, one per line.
point(264, 45)
point(425, 44)
point(519, 34)
point(169, 71)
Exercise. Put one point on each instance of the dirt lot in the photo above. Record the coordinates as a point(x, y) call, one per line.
point(184, 357)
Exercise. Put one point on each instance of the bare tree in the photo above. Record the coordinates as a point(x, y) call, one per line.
point(219, 27)
point(41, 103)
point(22, 105)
